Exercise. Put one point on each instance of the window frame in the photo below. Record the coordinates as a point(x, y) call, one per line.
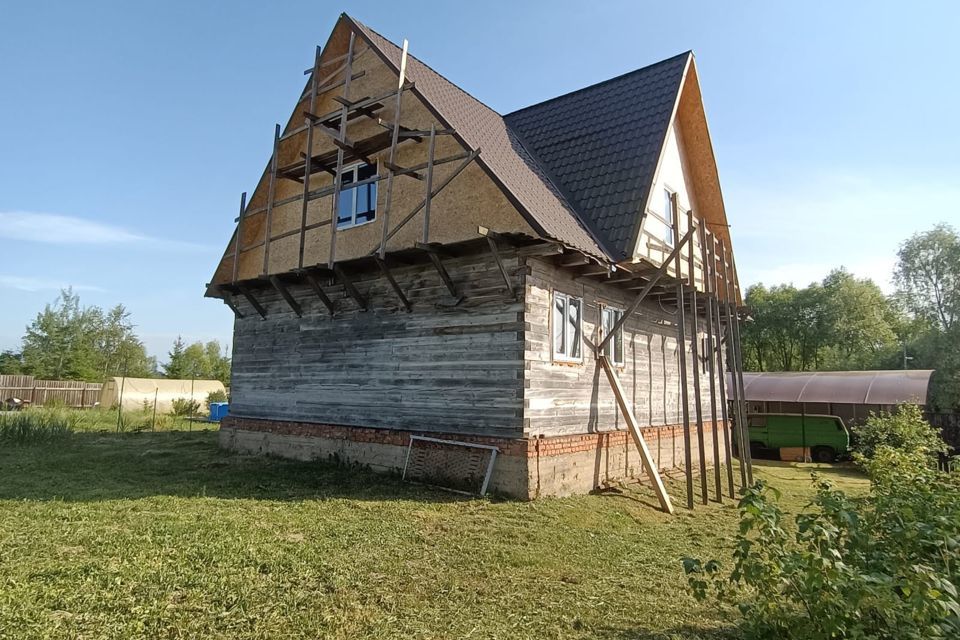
point(564, 355)
point(354, 192)
point(615, 343)
point(671, 208)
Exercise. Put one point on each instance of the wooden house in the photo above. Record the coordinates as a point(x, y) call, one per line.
point(554, 286)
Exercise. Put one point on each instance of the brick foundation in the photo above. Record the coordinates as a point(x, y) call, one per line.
point(525, 467)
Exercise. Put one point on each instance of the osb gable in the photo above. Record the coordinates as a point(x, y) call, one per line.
point(700, 181)
point(471, 199)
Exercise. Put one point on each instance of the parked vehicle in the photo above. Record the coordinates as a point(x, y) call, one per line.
point(826, 436)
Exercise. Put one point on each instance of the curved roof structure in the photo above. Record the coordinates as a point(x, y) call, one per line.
point(841, 387)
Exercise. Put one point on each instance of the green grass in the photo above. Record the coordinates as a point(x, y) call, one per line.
point(45, 423)
point(161, 535)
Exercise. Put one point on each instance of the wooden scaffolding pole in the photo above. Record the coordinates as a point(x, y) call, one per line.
point(429, 183)
point(648, 463)
point(738, 360)
point(308, 155)
point(236, 240)
point(743, 444)
point(709, 282)
point(271, 188)
point(695, 362)
point(393, 151)
point(682, 352)
point(338, 176)
point(717, 351)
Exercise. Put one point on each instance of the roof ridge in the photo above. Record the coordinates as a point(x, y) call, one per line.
point(688, 52)
point(479, 101)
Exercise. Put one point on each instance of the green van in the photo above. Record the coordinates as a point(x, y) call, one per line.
point(826, 436)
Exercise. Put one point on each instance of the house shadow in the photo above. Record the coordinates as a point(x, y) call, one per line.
point(684, 632)
point(90, 467)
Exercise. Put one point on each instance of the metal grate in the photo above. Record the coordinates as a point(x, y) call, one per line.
point(450, 464)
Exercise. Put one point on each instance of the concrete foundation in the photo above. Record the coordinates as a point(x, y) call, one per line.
point(525, 468)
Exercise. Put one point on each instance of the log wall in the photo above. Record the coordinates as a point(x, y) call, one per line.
point(451, 369)
point(566, 398)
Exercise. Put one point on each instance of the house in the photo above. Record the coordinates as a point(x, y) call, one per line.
point(431, 272)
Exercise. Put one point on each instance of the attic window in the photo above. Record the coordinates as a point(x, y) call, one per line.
point(669, 211)
point(566, 327)
point(358, 205)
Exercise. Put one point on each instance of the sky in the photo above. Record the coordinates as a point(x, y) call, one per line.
point(129, 130)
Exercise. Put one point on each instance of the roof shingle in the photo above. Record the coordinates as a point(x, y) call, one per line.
point(601, 145)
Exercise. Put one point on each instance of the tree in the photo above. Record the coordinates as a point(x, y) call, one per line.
point(842, 323)
point(67, 341)
point(928, 275)
point(928, 281)
point(11, 363)
point(198, 360)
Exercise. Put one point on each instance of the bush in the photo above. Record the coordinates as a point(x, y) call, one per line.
point(904, 430)
point(216, 396)
point(185, 407)
point(884, 566)
point(35, 426)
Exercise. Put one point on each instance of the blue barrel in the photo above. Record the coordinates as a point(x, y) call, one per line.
point(218, 410)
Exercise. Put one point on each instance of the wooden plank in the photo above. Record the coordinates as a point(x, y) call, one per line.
point(308, 158)
point(271, 192)
point(285, 294)
point(393, 152)
point(431, 148)
point(228, 300)
point(491, 241)
point(314, 283)
point(348, 285)
point(438, 265)
point(393, 283)
point(709, 283)
point(695, 364)
point(648, 463)
point(682, 349)
point(253, 301)
point(236, 240)
point(338, 173)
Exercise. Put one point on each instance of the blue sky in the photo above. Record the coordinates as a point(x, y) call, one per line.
point(128, 130)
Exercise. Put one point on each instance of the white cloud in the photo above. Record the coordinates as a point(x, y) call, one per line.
point(51, 228)
point(26, 283)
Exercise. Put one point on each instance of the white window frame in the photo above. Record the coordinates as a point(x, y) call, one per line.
point(670, 206)
point(561, 353)
point(352, 192)
point(615, 343)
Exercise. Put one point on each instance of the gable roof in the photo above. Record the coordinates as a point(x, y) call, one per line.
point(601, 145)
point(502, 155)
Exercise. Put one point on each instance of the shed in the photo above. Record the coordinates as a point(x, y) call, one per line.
point(137, 393)
point(852, 395)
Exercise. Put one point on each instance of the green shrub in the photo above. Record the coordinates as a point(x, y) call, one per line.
point(216, 396)
point(887, 565)
point(185, 407)
point(904, 430)
point(35, 426)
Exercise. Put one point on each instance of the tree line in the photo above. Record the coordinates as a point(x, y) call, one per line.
point(847, 323)
point(70, 341)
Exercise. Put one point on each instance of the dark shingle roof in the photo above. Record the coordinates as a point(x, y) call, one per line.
point(601, 145)
point(500, 152)
point(579, 166)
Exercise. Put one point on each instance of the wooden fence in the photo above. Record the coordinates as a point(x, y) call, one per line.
point(71, 393)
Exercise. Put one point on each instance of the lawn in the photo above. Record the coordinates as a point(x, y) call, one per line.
point(161, 535)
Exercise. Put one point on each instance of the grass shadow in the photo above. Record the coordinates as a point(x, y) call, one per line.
point(684, 632)
point(106, 466)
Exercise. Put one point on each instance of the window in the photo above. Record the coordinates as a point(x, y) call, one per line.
point(358, 205)
point(669, 209)
point(609, 317)
point(566, 326)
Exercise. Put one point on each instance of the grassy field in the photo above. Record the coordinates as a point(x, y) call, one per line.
point(160, 535)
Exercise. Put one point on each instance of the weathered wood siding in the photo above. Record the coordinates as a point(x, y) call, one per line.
point(447, 369)
point(564, 398)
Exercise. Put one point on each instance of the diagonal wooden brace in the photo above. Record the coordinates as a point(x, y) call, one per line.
point(253, 301)
point(284, 292)
point(317, 289)
point(648, 464)
point(393, 283)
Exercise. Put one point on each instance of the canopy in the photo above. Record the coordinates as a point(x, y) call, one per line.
point(138, 393)
point(840, 387)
